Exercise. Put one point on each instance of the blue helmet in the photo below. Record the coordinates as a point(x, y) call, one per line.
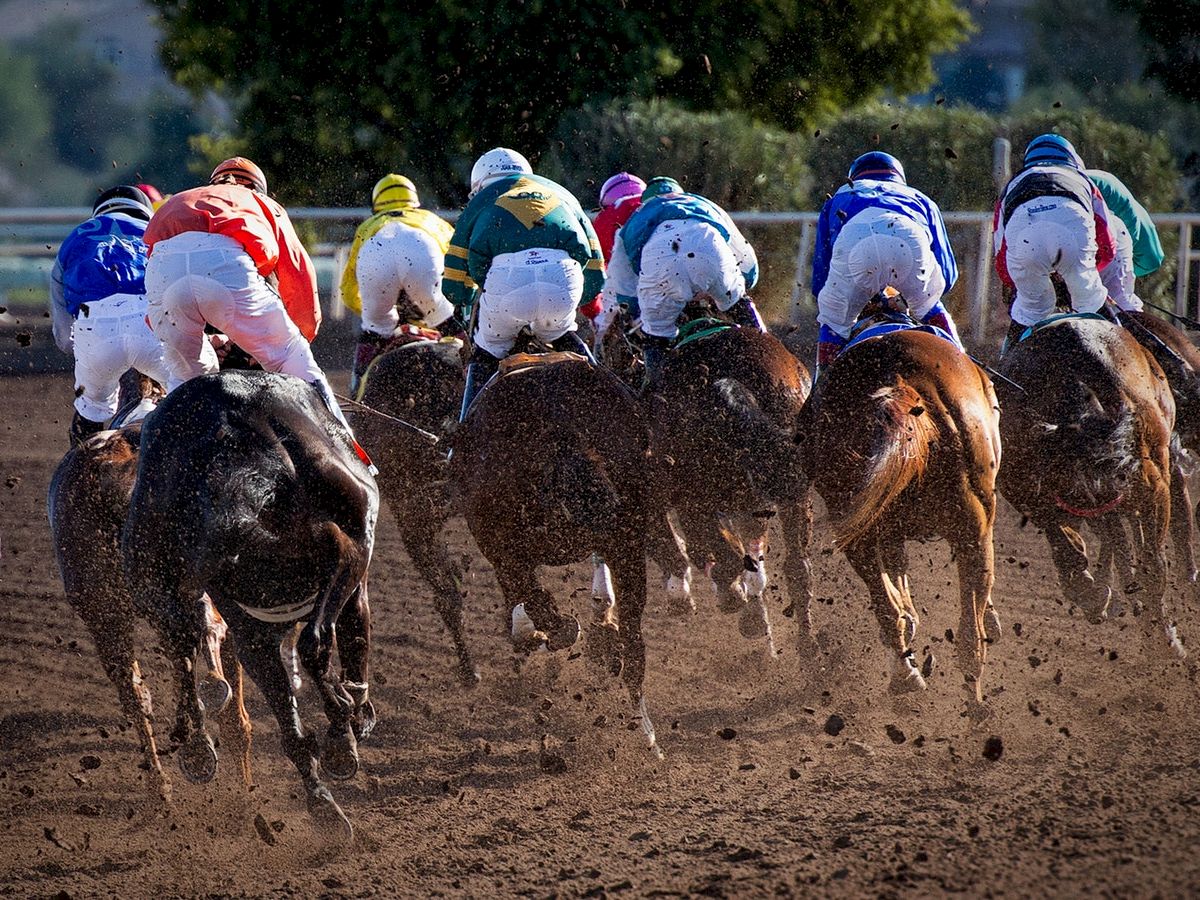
point(1051, 150)
point(877, 165)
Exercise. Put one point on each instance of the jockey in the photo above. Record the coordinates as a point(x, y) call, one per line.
point(1136, 247)
point(395, 265)
point(675, 248)
point(98, 306)
point(156, 196)
point(620, 197)
point(1051, 218)
point(226, 254)
point(879, 232)
point(529, 245)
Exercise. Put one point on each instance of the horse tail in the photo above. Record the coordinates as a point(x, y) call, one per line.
point(775, 462)
point(577, 488)
point(1099, 445)
point(904, 432)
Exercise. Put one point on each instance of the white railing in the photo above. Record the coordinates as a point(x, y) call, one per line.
point(13, 220)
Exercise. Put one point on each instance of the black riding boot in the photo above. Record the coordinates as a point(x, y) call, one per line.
point(654, 350)
point(369, 346)
point(571, 342)
point(479, 371)
point(82, 429)
point(745, 313)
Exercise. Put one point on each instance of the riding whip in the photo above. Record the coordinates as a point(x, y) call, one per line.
point(1192, 324)
point(427, 436)
point(994, 374)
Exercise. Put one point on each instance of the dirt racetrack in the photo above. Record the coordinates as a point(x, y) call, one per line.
point(1096, 790)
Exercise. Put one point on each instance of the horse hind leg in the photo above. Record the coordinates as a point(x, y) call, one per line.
point(892, 605)
point(630, 572)
point(534, 620)
point(667, 550)
point(754, 620)
point(1183, 526)
point(214, 690)
point(354, 649)
point(258, 651)
point(1069, 552)
point(1154, 518)
point(796, 522)
point(420, 529)
point(975, 554)
point(235, 727)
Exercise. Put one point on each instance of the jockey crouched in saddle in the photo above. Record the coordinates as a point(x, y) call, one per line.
point(217, 253)
point(1137, 250)
point(675, 248)
point(878, 232)
point(98, 306)
point(1051, 219)
point(395, 266)
point(525, 245)
point(620, 198)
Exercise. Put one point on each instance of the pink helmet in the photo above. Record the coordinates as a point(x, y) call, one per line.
point(620, 187)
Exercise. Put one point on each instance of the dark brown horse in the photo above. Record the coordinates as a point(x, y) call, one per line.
point(250, 492)
point(901, 439)
point(88, 502)
point(1087, 440)
point(551, 465)
point(723, 421)
point(421, 383)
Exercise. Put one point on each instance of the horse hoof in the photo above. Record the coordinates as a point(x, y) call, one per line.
point(564, 635)
point(339, 757)
point(753, 621)
point(215, 693)
point(679, 596)
point(1097, 613)
point(526, 636)
point(198, 759)
point(978, 712)
point(730, 601)
point(991, 625)
point(328, 816)
point(906, 679)
point(468, 676)
point(363, 720)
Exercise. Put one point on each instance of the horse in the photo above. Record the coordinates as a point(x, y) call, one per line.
point(1180, 362)
point(901, 439)
point(249, 491)
point(550, 465)
point(419, 382)
point(87, 503)
point(1087, 424)
point(723, 420)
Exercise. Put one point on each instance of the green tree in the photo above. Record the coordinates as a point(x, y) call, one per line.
point(328, 96)
point(1170, 31)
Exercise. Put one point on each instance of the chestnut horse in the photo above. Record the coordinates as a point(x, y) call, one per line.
point(249, 491)
point(88, 503)
point(723, 421)
point(1087, 440)
point(421, 383)
point(551, 465)
point(901, 439)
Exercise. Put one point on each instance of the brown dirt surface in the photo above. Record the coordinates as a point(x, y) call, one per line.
point(1086, 780)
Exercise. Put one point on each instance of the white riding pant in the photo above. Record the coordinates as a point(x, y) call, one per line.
point(1046, 235)
point(1118, 277)
point(399, 259)
point(874, 250)
point(196, 277)
point(684, 259)
point(536, 289)
point(111, 336)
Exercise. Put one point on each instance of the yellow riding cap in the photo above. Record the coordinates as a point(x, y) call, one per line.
point(393, 192)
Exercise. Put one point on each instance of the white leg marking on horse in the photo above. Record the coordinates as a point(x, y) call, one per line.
point(648, 728)
point(679, 592)
point(1174, 642)
point(603, 594)
point(906, 678)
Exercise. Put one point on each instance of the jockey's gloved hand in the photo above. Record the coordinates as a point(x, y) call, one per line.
point(592, 308)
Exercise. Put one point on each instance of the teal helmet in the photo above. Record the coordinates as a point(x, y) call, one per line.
point(656, 187)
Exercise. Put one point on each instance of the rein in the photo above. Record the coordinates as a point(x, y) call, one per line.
point(1091, 513)
point(428, 436)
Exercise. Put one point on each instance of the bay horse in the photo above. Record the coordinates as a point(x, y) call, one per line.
point(249, 491)
point(551, 465)
point(1180, 361)
point(419, 382)
point(87, 504)
point(723, 424)
point(901, 439)
point(1087, 440)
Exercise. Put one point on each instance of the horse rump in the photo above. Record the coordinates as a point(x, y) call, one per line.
point(1095, 447)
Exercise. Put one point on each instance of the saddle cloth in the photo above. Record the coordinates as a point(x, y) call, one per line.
point(889, 326)
point(408, 336)
point(519, 362)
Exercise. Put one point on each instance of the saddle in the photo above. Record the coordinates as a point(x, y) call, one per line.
point(699, 329)
point(1057, 317)
point(888, 321)
point(521, 362)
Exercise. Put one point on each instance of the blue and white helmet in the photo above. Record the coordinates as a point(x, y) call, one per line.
point(1051, 150)
point(877, 165)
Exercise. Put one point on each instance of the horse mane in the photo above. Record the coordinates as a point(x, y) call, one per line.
point(904, 432)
